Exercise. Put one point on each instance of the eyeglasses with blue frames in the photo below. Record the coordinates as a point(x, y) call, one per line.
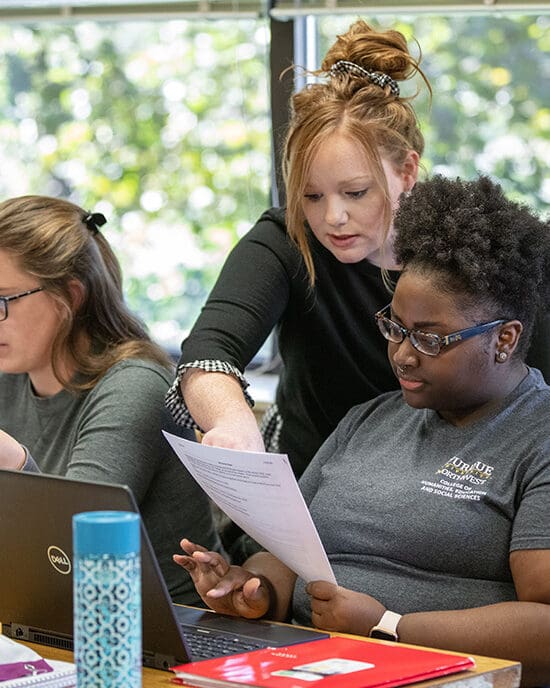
point(4, 300)
point(426, 343)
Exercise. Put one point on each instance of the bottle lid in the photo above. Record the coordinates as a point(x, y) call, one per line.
point(106, 532)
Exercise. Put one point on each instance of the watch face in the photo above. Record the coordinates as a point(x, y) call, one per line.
point(382, 635)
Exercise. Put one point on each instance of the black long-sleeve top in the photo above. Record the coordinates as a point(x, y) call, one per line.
point(333, 354)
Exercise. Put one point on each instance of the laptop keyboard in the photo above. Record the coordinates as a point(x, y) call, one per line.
point(207, 645)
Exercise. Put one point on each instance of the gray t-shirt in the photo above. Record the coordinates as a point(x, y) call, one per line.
point(421, 514)
point(112, 434)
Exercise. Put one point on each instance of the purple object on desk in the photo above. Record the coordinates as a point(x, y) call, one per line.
point(19, 669)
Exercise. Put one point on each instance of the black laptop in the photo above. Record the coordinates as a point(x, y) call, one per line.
point(36, 578)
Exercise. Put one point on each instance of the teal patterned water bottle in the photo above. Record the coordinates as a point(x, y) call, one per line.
point(107, 599)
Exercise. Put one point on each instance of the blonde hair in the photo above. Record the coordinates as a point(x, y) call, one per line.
point(49, 240)
point(371, 116)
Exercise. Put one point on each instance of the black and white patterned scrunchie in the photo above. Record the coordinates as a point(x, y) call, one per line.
point(378, 78)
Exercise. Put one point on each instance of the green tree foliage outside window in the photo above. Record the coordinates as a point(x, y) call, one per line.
point(163, 126)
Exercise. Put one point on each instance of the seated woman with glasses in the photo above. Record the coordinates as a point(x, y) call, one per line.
point(82, 385)
point(433, 502)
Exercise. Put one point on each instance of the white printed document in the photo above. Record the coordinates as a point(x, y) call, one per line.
point(259, 492)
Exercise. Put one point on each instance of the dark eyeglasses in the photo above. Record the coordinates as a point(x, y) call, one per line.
point(426, 342)
point(4, 300)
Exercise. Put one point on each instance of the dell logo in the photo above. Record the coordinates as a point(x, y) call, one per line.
point(59, 560)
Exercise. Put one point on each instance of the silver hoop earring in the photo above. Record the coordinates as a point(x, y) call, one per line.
point(502, 356)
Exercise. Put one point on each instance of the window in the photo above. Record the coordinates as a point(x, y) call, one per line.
point(164, 124)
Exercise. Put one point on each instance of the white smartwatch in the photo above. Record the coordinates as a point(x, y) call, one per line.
point(386, 628)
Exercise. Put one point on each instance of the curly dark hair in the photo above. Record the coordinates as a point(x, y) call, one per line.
point(476, 243)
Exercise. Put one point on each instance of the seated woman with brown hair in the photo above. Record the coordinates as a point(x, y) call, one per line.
point(82, 385)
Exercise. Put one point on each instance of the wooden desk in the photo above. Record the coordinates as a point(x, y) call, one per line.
point(489, 673)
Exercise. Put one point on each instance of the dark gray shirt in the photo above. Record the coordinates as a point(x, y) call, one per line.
point(421, 514)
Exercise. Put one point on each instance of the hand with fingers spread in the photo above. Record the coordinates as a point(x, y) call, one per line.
point(334, 608)
point(224, 588)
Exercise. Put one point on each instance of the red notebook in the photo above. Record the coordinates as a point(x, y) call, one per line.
point(331, 663)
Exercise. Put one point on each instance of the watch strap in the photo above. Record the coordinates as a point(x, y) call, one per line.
point(386, 628)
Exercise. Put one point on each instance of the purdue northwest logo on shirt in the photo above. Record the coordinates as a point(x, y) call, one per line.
point(474, 473)
point(458, 479)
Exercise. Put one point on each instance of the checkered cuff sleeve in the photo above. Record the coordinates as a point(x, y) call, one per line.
point(174, 401)
point(270, 428)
